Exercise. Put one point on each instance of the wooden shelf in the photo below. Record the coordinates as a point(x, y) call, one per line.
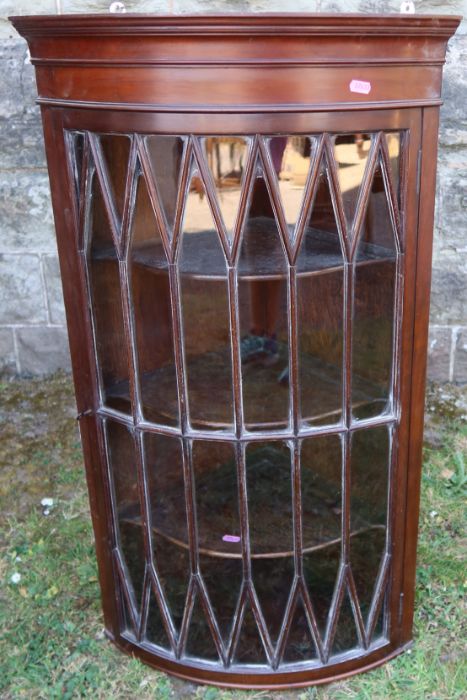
point(210, 373)
point(269, 492)
point(262, 258)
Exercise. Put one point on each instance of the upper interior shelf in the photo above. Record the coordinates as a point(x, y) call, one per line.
point(201, 256)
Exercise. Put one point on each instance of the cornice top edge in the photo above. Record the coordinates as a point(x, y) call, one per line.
point(235, 24)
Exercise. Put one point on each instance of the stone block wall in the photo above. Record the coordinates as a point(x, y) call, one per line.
point(33, 337)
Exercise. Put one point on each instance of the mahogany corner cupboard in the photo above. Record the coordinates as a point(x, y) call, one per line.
point(244, 212)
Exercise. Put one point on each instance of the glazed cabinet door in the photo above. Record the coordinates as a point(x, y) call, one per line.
point(249, 290)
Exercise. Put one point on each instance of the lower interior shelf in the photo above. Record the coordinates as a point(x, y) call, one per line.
point(268, 473)
point(265, 397)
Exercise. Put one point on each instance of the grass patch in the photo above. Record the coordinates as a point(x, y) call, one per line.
point(52, 645)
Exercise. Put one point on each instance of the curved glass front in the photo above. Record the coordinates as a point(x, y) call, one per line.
point(245, 307)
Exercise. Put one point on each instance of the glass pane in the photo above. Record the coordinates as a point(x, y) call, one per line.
point(206, 326)
point(379, 630)
point(268, 473)
point(200, 642)
point(165, 156)
point(273, 578)
point(320, 569)
point(128, 514)
point(250, 648)
point(368, 512)
point(104, 278)
point(351, 154)
point(223, 578)
point(262, 271)
point(127, 623)
point(300, 645)
point(269, 488)
point(290, 156)
point(216, 498)
point(152, 314)
point(116, 150)
point(346, 632)
point(226, 157)
point(218, 527)
point(155, 630)
point(101, 240)
point(374, 297)
point(164, 468)
point(393, 140)
point(321, 462)
point(320, 265)
point(75, 142)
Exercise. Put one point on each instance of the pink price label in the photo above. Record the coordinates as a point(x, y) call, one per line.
point(231, 538)
point(361, 86)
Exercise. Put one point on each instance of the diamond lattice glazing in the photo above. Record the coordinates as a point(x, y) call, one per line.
point(239, 288)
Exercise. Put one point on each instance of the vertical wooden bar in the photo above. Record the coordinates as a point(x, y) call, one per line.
point(402, 435)
point(82, 360)
point(429, 149)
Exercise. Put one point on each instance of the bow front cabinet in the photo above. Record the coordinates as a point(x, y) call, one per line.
point(244, 213)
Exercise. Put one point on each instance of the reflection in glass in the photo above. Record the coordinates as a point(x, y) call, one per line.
point(351, 154)
point(155, 630)
point(250, 648)
point(226, 157)
point(321, 461)
point(374, 302)
point(164, 467)
point(101, 240)
point(152, 314)
point(300, 645)
point(215, 472)
point(200, 642)
point(165, 156)
point(205, 311)
point(320, 569)
point(262, 272)
point(76, 146)
point(218, 533)
point(346, 636)
point(290, 156)
point(127, 620)
point(268, 474)
point(269, 488)
point(116, 150)
point(223, 579)
point(273, 580)
point(393, 141)
point(381, 623)
point(122, 459)
point(106, 299)
point(369, 476)
point(320, 328)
